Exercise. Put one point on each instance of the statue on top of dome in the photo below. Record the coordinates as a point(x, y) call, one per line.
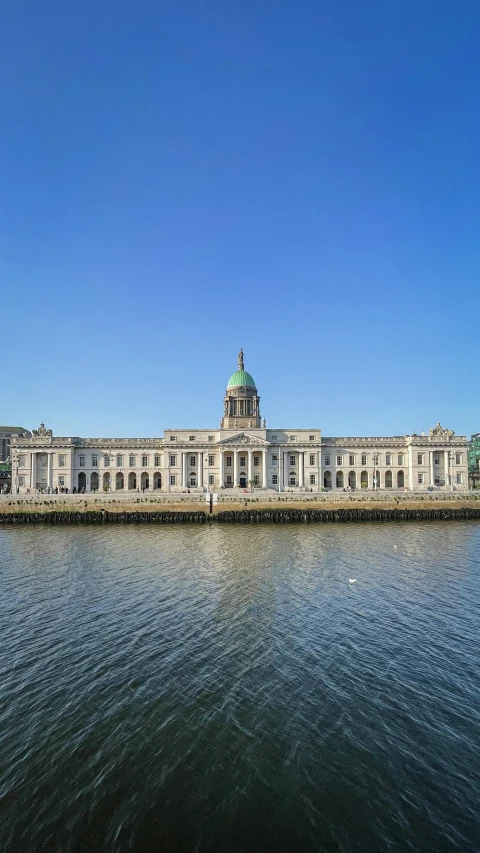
point(240, 360)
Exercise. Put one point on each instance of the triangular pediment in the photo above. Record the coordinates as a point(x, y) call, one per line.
point(244, 439)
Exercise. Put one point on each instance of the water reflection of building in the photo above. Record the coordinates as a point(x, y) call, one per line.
point(240, 454)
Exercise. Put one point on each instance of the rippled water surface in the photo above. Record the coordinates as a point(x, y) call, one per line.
point(228, 689)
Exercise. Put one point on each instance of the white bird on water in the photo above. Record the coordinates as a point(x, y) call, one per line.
point(352, 580)
point(395, 546)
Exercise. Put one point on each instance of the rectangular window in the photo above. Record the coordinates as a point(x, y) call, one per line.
point(275, 479)
point(459, 477)
point(106, 461)
point(173, 461)
point(191, 437)
point(388, 459)
point(119, 461)
point(144, 461)
point(293, 438)
point(458, 459)
point(192, 461)
point(311, 437)
point(61, 480)
point(256, 461)
point(229, 461)
point(81, 461)
point(313, 479)
point(256, 479)
point(132, 461)
point(211, 438)
point(211, 460)
point(21, 481)
point(242, 461)
point(312, 459)
point(229, 479)
point(274, 438)
point(400, 458)
point(173, 479)
point(436, 460)
point(61, 460)
point(351, 459)
point(421, 479)
point(173, 438)
point(157, 461)
point(339, 460)
point(211, 479)
point(94, 461)
point(364, 458)
point(21, 461)
point(419, 458)
point(292, 460)
point(327, 460)
point(275, 459)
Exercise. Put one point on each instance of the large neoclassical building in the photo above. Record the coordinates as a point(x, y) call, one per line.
point(242, 453)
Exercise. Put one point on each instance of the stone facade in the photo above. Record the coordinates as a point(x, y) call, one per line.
point(241, 454)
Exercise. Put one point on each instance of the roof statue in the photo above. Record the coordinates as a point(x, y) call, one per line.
point(440, 432)
point(41, 432)
point(241, 379)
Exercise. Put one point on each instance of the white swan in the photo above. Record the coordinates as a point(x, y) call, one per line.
point(352, 580)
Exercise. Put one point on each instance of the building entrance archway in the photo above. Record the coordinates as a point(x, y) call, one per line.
point(94, 481)
point(243, 481)
point(82, 481)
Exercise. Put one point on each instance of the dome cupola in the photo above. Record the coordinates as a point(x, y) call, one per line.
point(241, 402)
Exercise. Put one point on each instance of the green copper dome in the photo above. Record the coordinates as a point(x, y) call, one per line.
point(241, 377)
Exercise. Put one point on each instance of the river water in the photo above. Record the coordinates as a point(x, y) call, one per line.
point(226, 688)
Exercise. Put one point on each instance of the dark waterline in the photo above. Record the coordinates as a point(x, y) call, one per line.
point(227, 689)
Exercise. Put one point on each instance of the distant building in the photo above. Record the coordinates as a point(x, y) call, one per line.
point(6, 435)
point(241, 454)
point(474, 460)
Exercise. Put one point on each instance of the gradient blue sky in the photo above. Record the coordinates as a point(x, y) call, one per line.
point(179, 179)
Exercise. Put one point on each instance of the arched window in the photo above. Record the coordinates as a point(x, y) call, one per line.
point(119, 481)
point(327, 480)
point(364, 479)
point(401, 480)
point(340, 480)
point(352, 479)
point(388, 480)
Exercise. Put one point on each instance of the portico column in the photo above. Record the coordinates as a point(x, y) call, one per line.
point(285, 468)
point(430, 462)
point(446, 466)
point(301, 472)
point(33, 465)
point(200, 470)
point(221, 469)
point(264, 469)
point(235, 469)
point(184, 470)
point(249, 469)
point(49, 470)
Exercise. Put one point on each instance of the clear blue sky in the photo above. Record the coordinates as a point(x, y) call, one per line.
point(179, 179)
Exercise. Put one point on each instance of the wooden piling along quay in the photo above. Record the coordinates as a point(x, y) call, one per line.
point(247, 516)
